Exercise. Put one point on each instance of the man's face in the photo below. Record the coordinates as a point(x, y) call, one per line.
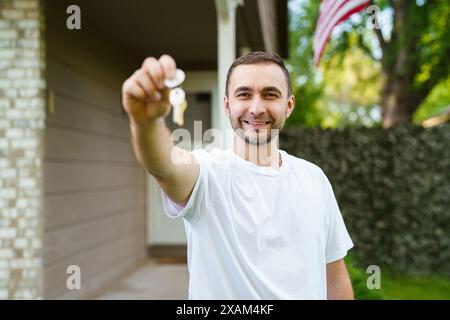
point(258, 102)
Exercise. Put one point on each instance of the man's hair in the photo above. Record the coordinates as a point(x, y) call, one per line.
point(263, 58)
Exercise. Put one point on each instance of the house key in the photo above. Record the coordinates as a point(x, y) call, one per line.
point(177, 99)
point(177, 96)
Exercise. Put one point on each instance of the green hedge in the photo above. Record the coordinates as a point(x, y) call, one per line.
point(393, 188)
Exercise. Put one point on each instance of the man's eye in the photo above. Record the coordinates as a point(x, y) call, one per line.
point(243, 95)
point(272, 95)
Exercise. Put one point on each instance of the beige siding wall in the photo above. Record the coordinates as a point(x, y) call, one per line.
point(94, 190)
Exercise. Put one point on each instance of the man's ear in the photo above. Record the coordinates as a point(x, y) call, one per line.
point(290, 106)
point(226, 106)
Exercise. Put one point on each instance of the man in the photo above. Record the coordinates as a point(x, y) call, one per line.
point(260, 223)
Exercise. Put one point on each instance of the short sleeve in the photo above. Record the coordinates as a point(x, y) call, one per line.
point(174, 210)
point(338, 239)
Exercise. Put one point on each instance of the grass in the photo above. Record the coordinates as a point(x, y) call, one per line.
point(395, 286)
point(399, 287)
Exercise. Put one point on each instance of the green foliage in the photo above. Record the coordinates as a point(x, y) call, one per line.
point(353, 90)
point(393, 189)
point(307, 87)
point(436, 102)
point(434, 41)
point(355, 79)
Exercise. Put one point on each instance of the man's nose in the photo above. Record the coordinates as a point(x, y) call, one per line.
point(257, 107)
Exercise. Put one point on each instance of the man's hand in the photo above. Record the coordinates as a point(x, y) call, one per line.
point(144, 95)
point(339, 286)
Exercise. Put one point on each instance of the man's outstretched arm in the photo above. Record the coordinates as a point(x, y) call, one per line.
point(339, 286)
point(146, 101)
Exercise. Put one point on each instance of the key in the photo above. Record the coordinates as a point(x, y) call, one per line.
point(177, 99)
point(178, 113)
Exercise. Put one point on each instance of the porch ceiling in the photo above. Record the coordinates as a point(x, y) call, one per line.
point(185, 29)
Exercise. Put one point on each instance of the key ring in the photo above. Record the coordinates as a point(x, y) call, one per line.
point(176, 81)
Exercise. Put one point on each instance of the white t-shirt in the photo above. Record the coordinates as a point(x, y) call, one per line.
point(258, 232)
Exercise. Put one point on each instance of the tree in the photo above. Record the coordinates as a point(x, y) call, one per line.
point(412, 48)
point(415, 54)
point(344, 91)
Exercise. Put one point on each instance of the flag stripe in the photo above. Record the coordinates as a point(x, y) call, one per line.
point(325, 7)
point(342, 8)
point(325, 40)
point(331, 14)
point(328, 14)
point(343, 13)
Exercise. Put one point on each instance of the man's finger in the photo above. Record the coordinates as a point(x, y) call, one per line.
point(168, 65)
point(132, 88)
point(155, 71)
point(145, 82)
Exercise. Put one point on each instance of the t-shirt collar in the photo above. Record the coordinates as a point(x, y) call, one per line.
point(269, 171)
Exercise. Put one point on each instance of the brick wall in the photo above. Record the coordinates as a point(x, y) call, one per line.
point(22, 113)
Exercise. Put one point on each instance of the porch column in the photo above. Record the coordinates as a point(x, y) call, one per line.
point(226, 35)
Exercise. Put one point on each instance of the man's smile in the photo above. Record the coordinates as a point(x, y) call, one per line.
point(247, 124)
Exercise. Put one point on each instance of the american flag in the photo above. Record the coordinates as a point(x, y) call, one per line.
point(333, 12)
